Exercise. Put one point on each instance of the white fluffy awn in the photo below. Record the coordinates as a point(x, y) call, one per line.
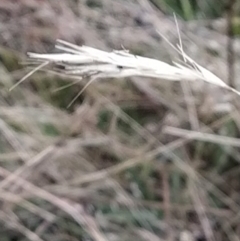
point(91, 63)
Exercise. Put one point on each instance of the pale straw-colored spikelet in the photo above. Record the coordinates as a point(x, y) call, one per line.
point(84, 61)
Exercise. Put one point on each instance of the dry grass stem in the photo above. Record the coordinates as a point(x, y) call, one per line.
point(84, 61)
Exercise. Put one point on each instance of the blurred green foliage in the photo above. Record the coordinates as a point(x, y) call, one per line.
point(194, 9)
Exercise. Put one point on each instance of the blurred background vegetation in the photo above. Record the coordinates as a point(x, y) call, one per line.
point(194, 9)
point(131, 158)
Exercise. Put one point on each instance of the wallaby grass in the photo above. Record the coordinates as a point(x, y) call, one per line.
point(132, 158)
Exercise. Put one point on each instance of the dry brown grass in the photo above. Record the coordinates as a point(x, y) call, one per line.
point(132, 158)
